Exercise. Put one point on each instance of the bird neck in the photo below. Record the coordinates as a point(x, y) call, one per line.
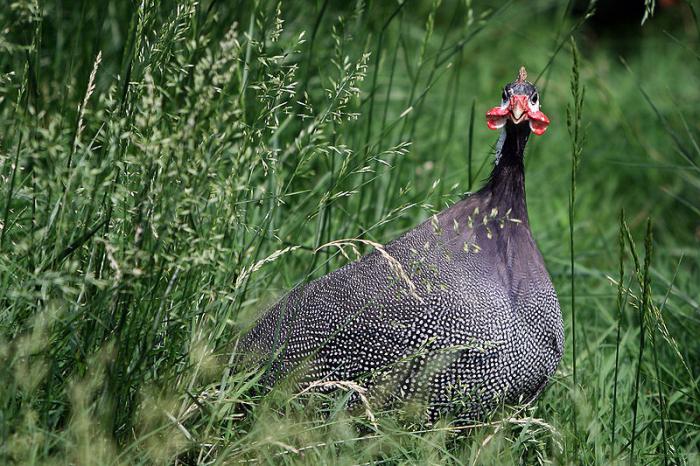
point(507, 181)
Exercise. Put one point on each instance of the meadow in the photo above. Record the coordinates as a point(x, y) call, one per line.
point(170, 168)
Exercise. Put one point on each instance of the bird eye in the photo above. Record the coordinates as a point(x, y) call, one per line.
point(505, 94)
point(534, 98)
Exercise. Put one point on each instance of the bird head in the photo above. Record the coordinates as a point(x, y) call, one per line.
point(521, 105)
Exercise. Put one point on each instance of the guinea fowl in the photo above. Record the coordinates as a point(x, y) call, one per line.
point(458, 314)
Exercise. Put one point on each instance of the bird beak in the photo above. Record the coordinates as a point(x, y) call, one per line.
point(518, 110)
point(518, 107)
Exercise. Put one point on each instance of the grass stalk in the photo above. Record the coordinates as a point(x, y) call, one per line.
point(371, 98)
point(470, 146)
point(644, 309)
point(576, 135)
point(661, 400)
point(620, 310)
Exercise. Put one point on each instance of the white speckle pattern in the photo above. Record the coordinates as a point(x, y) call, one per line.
point(489, 328)
point(482, 327)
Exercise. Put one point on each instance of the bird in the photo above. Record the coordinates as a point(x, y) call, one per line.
point(457, 315)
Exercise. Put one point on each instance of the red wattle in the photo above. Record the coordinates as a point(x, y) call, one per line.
point(495, 118)
point(496, 122)
point(538, 122)
point(498, 111)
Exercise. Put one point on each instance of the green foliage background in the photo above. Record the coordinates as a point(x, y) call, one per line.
point(169, 168)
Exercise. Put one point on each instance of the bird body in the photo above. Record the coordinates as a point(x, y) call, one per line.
point(458, 313)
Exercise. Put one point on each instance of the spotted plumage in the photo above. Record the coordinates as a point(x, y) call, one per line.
point(468, 320)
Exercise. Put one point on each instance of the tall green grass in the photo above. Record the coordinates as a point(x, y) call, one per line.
point(170, 168)
point(574, 117)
